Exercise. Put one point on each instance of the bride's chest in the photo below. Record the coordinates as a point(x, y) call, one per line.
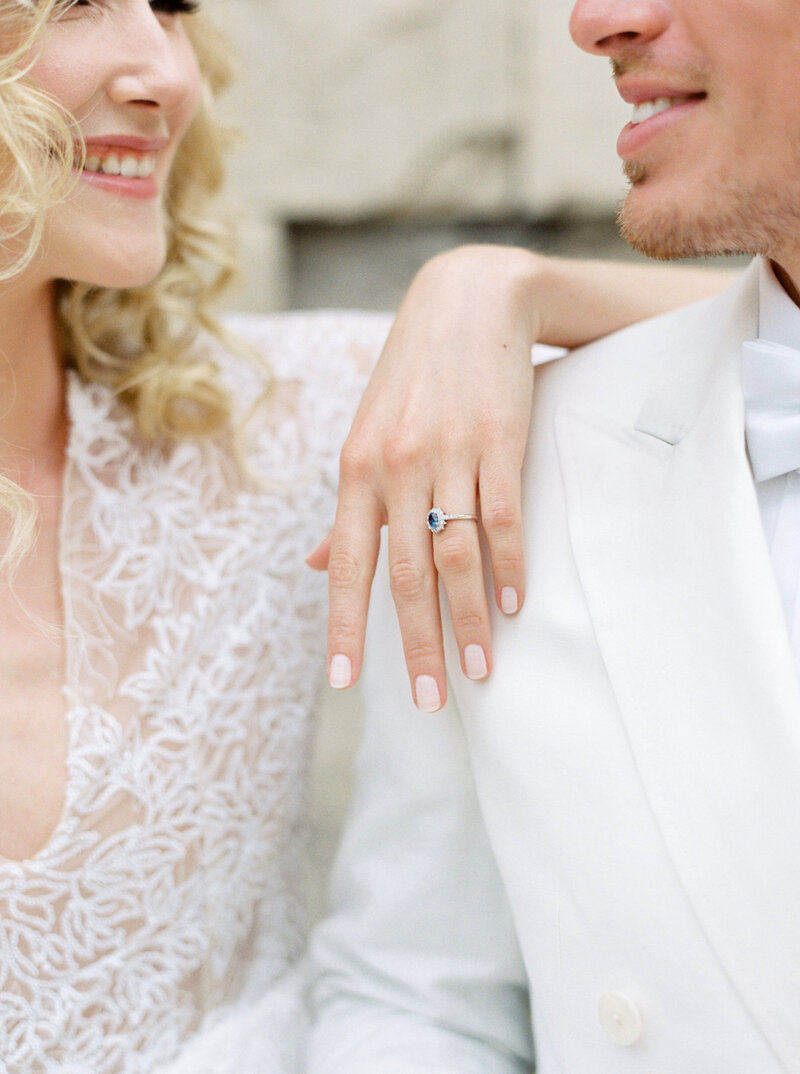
point(33, 731)
point(193, 640)
point(174, 733)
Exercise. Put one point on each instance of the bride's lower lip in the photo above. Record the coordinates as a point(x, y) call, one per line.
point(634, 137)
point(142, 189)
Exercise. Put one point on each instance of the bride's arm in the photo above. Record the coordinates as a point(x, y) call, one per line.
point(574, 302)
point(444, 422)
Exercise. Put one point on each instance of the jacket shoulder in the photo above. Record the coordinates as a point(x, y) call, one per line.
point(616, 373)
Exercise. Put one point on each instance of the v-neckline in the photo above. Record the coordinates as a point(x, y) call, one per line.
point(64, 628)
point(78, 715)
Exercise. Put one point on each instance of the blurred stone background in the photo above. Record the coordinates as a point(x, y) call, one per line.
point(378, 132)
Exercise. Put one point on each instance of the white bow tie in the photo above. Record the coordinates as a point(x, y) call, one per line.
point(771, 385)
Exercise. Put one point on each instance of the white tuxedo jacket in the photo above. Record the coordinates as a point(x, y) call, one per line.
point(608, 829)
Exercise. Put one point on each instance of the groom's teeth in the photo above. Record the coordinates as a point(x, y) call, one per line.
point(648, 109)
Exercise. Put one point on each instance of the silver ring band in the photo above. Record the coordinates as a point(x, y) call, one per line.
point(437, 519)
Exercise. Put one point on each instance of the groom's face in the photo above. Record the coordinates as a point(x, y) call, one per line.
point(713, 147)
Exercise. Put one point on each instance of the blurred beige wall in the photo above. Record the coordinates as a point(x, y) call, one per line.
point(413, 110)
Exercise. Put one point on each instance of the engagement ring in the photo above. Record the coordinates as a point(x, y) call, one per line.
point(437, 519)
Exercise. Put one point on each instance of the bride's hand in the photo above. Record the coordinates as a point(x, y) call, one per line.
point(443, 423)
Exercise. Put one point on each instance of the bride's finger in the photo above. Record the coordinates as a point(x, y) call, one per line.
point(354, 543)
point(457, 555)
point(501, 518)
point(319, 557)
point(415, 590)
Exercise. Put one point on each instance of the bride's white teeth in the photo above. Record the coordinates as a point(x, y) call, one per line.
point(129, 167)
point(648, 109)
point(147, 165)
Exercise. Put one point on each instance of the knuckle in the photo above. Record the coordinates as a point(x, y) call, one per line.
point(468, 621)
point(453, 554)
point(421, 652)
point(509, 563)
point(501, 516)
point(400, 453)
point(342, 631)
point(344, 570)
point(407, 580)
point(493, 427)
point(355, 464)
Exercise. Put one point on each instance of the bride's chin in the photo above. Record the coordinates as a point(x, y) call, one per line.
point(123, 277)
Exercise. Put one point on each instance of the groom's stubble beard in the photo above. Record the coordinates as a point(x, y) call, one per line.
point(726, 216)
point(747, 204)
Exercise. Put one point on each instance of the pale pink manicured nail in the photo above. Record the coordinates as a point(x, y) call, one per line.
point(508, 600)
point(340, 673)
point(427, 693)
point(475, 662)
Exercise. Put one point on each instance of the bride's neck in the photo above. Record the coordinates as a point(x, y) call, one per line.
point(32, 383)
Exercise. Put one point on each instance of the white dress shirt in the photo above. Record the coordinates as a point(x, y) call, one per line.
point(779, 497)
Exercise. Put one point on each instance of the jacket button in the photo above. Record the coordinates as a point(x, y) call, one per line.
point(620, 1018)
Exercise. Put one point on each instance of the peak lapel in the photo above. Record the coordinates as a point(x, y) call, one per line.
point(668, 542)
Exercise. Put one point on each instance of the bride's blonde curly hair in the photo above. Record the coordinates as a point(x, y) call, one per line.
point(141, 341)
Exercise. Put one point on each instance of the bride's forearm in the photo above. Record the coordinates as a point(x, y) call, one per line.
point(576, 301)
point(562, 301)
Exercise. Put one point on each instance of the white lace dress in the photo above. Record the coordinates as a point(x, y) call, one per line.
point(161, 925)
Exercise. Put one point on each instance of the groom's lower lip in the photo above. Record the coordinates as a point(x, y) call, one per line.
point(634, 137)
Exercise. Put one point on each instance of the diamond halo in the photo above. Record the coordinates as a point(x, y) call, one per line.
point(436, 520)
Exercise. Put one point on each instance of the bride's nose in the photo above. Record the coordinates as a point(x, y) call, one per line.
point(155, 65)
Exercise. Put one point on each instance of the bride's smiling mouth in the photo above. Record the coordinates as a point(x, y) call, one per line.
point(123, 165)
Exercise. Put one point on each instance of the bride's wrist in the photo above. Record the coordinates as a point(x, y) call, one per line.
point(509, 284)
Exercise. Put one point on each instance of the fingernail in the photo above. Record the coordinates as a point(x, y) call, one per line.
point(508, 600)
point(340, 673)
point(475, 662)
point(427, 693)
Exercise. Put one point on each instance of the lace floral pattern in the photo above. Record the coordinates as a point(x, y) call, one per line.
point(168, 904)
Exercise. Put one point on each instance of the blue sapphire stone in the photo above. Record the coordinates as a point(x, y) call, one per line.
point(436, 520)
